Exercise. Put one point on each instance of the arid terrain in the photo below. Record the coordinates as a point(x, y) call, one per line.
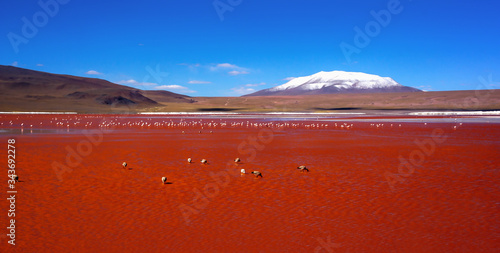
point(439, 100)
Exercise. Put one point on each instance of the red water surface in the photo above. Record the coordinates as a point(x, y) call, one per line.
point(75, 196)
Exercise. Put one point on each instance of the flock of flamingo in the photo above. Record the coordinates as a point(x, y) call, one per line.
point(92, 121)
point(256, 173)
point(112, 122)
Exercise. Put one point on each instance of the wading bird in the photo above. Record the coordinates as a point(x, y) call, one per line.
point(243, 171)
point(189, 160)
point(303, 168)
point(16, 178)
point(237, 160)
point(164, 180)
point(204, 161)
point(257, 173)
point(124, 164)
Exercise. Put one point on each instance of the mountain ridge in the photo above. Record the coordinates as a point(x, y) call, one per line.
point(24, 86)
point(23, 90)
point(335, 82)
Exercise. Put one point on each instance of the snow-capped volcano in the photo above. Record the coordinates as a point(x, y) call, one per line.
point(335, 82)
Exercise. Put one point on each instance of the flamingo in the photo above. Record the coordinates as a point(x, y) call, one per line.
point(124, 164)
point(204, 161)
point(16, 178)
point(237, 160)
point(189, 160)
point(243, 171)
point(164, 180)
point(303, 168)
point(257, 173)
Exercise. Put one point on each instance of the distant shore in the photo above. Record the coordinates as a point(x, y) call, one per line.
point(380, 103)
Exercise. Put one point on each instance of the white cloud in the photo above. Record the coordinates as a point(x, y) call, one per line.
point(425, 87)
point(224, 66)
point(198, 82)
point(175, 87)
point(40, 65)
point(130, 81)
point(93, 72)
point(254, 84)
point(245, 89)
point(135, 83)
point(237, 72)
point(242, 91)
point(289, 78)
point(14, 63)
point(233, 69)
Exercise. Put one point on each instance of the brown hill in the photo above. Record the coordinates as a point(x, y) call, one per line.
point(29, 90)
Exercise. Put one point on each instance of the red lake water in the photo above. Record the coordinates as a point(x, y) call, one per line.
point(376, 184)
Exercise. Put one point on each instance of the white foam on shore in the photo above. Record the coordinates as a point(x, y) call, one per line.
point(259, 113)
point(186, 113)
point(458, 113)
point(314, 113)
point(38, 113)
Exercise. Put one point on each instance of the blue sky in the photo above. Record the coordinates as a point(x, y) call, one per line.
point(234, 47)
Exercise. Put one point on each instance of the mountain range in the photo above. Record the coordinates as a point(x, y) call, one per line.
point(20, 86)
point(335, 82)
point(24, 90)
